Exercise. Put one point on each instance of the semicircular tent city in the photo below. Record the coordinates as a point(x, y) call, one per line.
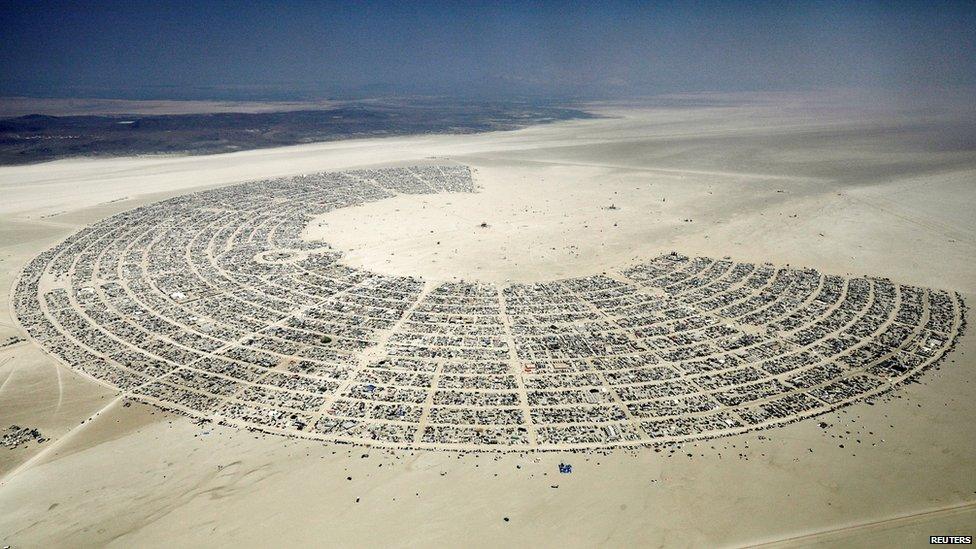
point(212, 304)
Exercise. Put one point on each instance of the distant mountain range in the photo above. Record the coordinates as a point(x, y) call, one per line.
point(38, 138)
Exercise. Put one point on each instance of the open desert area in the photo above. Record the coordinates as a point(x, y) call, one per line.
point(709, 320)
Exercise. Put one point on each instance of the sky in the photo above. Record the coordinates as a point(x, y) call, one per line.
point(293, 50)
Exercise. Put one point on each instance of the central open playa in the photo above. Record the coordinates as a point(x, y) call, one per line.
point(798, 182)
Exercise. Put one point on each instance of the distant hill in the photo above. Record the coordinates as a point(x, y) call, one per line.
point(38, 138)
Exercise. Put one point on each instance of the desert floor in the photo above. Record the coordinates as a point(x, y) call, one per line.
point(840, 184)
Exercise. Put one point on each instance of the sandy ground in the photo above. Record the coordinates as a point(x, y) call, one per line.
point(846, 190)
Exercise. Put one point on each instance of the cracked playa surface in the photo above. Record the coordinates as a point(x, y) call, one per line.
point(214, 305)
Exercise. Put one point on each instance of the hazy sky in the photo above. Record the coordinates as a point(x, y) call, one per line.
point(597, 49)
